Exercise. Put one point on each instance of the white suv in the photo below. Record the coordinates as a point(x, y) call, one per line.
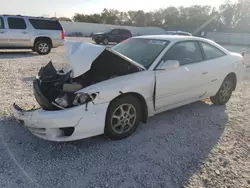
point(36, 33)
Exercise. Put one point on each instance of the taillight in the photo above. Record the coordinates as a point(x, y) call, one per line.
point(63, 35)
point(125, 40)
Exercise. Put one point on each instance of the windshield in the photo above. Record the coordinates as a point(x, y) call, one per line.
point(142, 51)
point(106, 31)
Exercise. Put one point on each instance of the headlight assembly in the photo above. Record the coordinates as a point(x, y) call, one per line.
point(69, 100)
point(83, 98)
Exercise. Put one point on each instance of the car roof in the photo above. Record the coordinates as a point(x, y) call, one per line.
point(172, 38)
point(179, 38)
point(119, 28)
point(177, 32)
point(32, 17)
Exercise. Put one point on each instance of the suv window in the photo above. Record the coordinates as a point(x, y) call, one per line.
point(184, 52)
point(1, 23)
point(114, 32)
point(122, 32)
point(16, 23)
point(211, 52)
point(45, 24)
point(125, 32)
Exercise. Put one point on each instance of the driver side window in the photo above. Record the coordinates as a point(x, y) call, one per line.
point(114, 32)
point(1, 23)
point(185, 52)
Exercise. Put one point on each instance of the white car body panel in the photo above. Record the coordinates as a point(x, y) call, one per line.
point(83, 118)
point(80, 56)
point(161, 89)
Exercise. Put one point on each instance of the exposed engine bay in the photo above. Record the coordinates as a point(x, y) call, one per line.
point(56, 89)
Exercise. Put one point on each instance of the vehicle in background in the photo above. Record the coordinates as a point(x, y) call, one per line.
point(25, 32)
point(111, 35)
point(178, 33)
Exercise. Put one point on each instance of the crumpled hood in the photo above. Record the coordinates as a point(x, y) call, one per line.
point(81, 55)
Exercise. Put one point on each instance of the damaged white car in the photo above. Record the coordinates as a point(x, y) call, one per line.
point(111, 91)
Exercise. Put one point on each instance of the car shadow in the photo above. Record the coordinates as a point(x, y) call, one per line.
point(165, 152)
point(16, 54)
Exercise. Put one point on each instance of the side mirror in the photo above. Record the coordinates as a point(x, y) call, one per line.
point(169, 64)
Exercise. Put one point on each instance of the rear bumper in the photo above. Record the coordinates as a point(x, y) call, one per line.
point(97, 38)
point(57, 42)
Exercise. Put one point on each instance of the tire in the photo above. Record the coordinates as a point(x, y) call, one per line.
point(120, 125)
point(97, 42)
point(105, 41)
point(224, 93)
point(43, 47)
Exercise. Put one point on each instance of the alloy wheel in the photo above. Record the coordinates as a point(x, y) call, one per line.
point(123, 118)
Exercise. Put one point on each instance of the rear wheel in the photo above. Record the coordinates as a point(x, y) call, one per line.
point(123, 118)
point(97, 42)
point(43, 47)
point(105, 41)
point(224, 93)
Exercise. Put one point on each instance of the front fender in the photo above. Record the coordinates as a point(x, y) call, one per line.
point(140, 82)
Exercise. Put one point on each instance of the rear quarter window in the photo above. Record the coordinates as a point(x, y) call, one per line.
point(45, 24)
point(211, 52)
point(127, 32)
point(1, 23)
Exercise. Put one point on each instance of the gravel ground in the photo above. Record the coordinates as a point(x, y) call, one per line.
point(198, 145)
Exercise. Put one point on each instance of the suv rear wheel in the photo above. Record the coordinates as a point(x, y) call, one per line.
point(43, 47)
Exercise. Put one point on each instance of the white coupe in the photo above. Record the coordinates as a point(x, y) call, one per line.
point(111, 91)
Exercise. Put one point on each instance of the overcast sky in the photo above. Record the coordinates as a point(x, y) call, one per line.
point(69, 7)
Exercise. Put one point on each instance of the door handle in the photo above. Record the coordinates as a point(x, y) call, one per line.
point(24, 32)
point(205, 72)
point(2, 32)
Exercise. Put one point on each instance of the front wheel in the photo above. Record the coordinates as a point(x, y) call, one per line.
point(123, 118)
point(43, 47)
point(105, 41)
point(224, 93)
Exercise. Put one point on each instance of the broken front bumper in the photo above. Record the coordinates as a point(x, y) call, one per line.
point(63, 125)
point(46, 124)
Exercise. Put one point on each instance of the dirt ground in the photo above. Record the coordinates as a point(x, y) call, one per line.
point(198, 145)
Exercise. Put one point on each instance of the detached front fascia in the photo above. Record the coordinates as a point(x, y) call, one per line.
point(50, 125)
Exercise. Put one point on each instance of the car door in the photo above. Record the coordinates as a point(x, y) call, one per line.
point(3, 34)
point(113, 35)
point(185, 83)
point(123, 35)
point(216, 65)
point(18, 32)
